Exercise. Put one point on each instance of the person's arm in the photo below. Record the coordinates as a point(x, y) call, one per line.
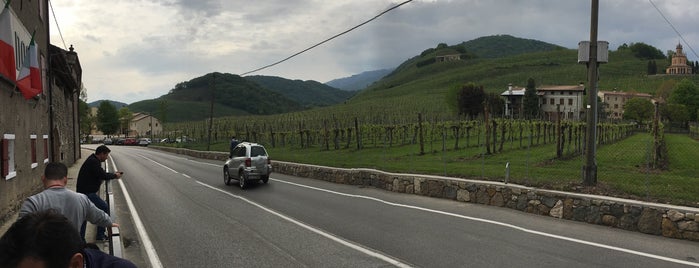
point(98, 171)
point(28, 207)
point(96, 216)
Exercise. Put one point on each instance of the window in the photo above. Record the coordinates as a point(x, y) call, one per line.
point(46, 148)
point(561, 101)
point(8, 156)
point(551, 101)
point(616, 106)
point(570, 102)
point(32, 138)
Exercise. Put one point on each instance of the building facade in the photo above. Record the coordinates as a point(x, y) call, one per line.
point(614, 102)
point(514, 101)
point(564, 102)
point(145, 125)
point(679, 63)
point(42, 126)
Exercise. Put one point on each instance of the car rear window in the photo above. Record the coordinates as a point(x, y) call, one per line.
point(257, 151)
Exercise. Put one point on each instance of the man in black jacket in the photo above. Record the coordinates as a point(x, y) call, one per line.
point(89, 181)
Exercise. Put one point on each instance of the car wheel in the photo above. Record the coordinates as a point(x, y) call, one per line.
point(265, 179)
point(226, 176)
point(242, 180)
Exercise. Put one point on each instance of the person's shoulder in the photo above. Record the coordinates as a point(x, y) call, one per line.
point(98, 258)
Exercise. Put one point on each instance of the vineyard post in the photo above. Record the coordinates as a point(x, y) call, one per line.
point(357, 133)
point(422, 140)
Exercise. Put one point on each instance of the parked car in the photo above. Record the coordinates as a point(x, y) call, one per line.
point(143, 141)
point(130, 141)
point(250, 162)
point(107, 141)
point(119, 142)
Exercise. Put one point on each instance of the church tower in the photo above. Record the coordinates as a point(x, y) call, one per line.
point(679, 63)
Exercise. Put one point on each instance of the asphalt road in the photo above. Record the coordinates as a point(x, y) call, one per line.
point(192, 219)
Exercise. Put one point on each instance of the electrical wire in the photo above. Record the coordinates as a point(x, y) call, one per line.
point(327, 40)
point(57, 27)
point(673, 28)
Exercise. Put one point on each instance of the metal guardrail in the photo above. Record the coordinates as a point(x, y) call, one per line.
point(116, 245)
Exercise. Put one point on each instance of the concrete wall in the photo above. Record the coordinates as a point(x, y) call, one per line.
point(650, 218)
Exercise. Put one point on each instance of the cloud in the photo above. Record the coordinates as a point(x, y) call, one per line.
point(145, 47)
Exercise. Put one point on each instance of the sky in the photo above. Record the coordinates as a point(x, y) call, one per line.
point(133, 50)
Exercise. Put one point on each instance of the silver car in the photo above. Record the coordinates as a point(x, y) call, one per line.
point(250, 162)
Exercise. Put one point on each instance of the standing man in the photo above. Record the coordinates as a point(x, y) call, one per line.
point(76, 207)
point(234, 143)
point(90, 179)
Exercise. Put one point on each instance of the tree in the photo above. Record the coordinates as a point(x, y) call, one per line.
point(125, 117)
point(470, 100)
point(162, 111)
point(107, 118)
point(531, 100)
point(665, 90)
point(674, 113)
point(638, 109)
point(652, 67)
point(496, 104)
point(687, 94)
point(85, 119)
point(645, 51)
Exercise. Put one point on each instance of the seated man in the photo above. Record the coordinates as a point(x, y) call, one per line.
point(49, 239)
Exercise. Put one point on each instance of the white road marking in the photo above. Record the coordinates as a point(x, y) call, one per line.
point(594, 244)
point(145, 239)
point(349, 244)
point(584, 242)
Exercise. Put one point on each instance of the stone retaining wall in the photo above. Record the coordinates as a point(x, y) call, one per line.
point(650, 218)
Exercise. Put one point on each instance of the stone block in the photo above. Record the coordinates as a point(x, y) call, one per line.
point(497, 200)
point(610, 220)
point(650, 221)
point(557, 210)
point(693, 236)
point(670, 229)
point(675, 215)
point(463, 195)
point(690, 226)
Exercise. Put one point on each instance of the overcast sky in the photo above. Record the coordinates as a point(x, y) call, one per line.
point(132, 50)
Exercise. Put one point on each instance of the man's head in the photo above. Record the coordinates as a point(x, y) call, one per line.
point(102, 152)
point(55, 171)
point(44, 239)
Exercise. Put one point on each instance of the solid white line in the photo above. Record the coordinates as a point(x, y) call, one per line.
point(145, 239)
point(349, 244)
point(594, 244)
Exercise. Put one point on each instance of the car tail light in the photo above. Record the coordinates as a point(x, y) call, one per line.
point(248, 162)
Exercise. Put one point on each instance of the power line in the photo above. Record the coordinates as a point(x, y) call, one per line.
point(673, 28)
point(326, 40)
point(57, 27)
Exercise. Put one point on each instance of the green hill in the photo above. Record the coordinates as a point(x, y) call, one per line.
point(307, 93)
point(232, 95)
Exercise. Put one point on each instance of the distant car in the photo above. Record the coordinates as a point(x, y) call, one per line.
point(119, 142)
point(130, 141)
point(107, 141)
point(250, 162)
point(143, 141)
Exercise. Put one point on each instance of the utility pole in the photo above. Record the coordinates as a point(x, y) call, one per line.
point(590, 168)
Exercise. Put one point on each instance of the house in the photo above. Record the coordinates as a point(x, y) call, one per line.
point(679, 63)
point(40, 123)
point(563, 101)
point(444, 55)
point(514, 101)
point(615, 100)
point(144, 125)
